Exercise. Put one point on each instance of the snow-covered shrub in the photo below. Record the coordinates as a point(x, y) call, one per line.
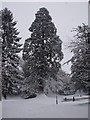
point(52, 86)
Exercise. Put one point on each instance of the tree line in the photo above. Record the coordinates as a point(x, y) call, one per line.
point(41, 56)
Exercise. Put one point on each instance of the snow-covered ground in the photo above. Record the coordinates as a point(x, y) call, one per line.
point(44, 107)
point(0, 110)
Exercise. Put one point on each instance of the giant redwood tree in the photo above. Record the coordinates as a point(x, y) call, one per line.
point(42, 52)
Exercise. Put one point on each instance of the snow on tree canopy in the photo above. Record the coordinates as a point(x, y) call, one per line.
point(10, 47)
point(42, 51)
point(80, 68)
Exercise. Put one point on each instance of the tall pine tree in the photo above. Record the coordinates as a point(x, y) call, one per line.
point(10, 49)
point(42, 51)
point(80, 68)
point(0, 53)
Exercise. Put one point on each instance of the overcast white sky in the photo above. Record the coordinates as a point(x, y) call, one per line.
point(65, 15)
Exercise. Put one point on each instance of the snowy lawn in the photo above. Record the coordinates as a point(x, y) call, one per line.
point(44, 107)
point(0, 110)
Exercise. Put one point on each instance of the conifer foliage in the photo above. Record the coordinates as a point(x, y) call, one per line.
point(42, 51)
point(10, 48)
point(80, 68)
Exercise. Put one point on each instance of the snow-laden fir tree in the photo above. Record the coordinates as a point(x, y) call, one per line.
point(80, 68)
point(42, 51)
point(0, 53)
point(11, 76)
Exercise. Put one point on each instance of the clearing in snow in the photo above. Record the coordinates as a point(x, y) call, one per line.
point(0, 110)
point(45, 107)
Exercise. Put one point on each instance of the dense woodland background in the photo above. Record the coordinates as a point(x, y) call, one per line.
point(39, 69)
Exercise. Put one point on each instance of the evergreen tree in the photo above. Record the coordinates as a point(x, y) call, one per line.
point(80, 68)
point(0, 53)
point(10, 49)
point(42, 51)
